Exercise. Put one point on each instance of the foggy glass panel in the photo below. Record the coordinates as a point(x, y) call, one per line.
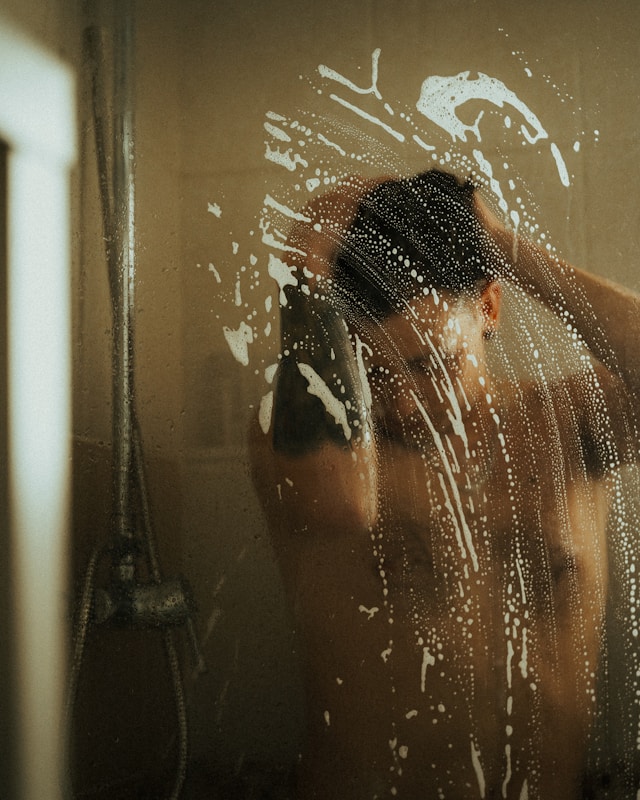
point(387, 387)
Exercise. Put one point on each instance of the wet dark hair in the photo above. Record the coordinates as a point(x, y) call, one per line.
point(408, 237)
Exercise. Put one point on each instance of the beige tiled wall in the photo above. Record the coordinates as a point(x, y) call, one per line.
point(208, 70)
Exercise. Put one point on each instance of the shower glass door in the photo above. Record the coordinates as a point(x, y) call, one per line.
point(388, 423)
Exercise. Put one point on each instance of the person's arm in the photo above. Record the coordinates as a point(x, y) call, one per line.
point(606, 315)
point(321, 447)
point(607, 318)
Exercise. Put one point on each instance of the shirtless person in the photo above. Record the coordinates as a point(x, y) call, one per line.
point(441, 533)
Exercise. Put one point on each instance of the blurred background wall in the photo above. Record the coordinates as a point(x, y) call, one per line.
point(207, 73)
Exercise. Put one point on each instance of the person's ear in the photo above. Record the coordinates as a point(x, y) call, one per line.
point(489, 303)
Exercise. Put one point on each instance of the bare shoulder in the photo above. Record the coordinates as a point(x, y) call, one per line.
point(589, 413)
point(329, 490)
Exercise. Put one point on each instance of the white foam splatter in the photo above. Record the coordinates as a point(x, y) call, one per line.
point(286, 159)
point(486, 167)
point(362, 371)
point(523, 661)
point(427, 660)
point(423, 145)
point(329, 143)
point(327, 72)
point(507, 776)
point(239, 341)
point(276, 132)
point(270, 372)
point(441, 96)
point(276, 241)
point(318, 388)
point(265, 412)
point(510, 654)
point(475, 760)
point(282, 274)
point(361, 113)
point(288, 212)
point(562, 167)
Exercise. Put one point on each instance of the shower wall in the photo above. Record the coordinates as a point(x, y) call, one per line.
point(56, 25)
point(207, 73)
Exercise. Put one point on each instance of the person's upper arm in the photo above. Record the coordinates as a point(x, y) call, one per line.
point(607, 418)
point(329, 489)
